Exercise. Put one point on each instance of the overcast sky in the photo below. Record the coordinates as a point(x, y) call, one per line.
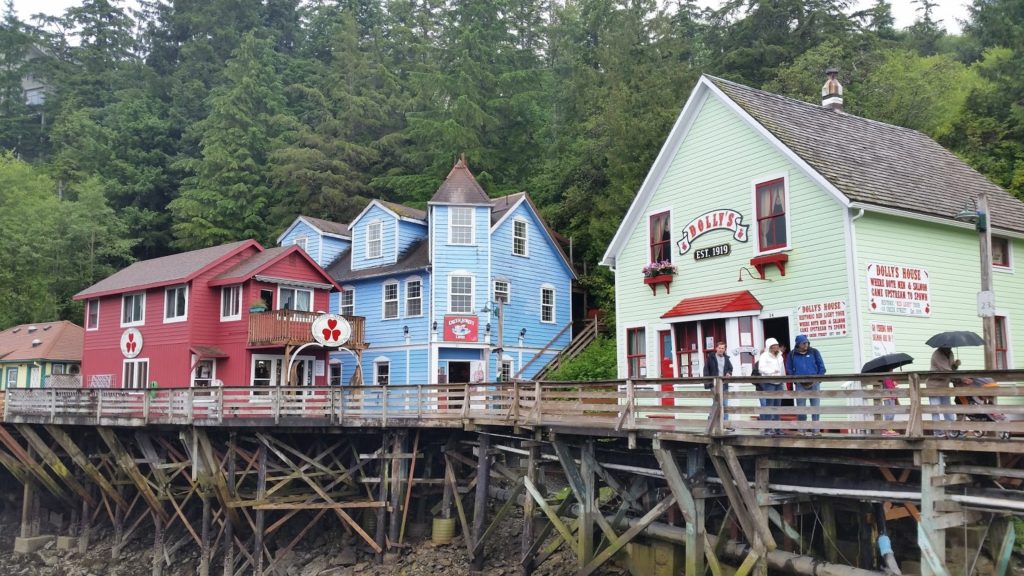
point(948, 11)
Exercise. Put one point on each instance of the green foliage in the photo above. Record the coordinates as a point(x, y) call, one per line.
point(596, 362)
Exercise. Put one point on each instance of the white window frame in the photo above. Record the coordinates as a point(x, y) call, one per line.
point(302, 242)
point(376, 371)
point(508, 291)
point(453, 225)
point(90, 305)
point(341, 302)
point(331, 367)
point(135, 373)
point(756, 240)
point(228, 293)
point(544, 288)
point(409, 299)
point(374, 239)
point(384, 300)
point(524, 239)
point(10, 382)
point(308, 361)
point(472, 302)
point(295, 289)
point(199, 363)
point(138, 321)
point(506, 370)
point(183, 317)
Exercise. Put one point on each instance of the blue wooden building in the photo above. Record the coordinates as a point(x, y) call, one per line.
point(473, 289)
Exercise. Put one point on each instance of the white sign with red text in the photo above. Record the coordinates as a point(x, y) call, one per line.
point(822, 319)
point(723, 219)
point(883, 339)
point(897, 289)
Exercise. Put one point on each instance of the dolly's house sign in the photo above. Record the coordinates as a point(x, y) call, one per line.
point(900, 290)
point(724, 219)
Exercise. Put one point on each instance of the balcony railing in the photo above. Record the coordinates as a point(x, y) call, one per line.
point(852, 406)
point(284, 327)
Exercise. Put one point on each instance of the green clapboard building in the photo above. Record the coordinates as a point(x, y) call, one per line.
point(780, 217)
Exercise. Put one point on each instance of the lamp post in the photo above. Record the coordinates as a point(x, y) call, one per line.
point(986, 298)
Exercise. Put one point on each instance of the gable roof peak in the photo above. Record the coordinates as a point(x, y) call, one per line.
point(460, 187)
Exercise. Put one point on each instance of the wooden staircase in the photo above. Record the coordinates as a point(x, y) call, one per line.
point(579, 343)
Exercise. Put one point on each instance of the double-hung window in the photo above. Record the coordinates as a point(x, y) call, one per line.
point(661, 237)
point(1002, 357)
point(460, 229)
point(505, 371)
point(501, 291)
point(460, 294)
point(519, 237)
point(1001, 252)
point(636, 353)
point(382, 373)
point(176, 303)
point(231, 302)
point(347, 302)
point(547, 304)
point(390, 304)
point(133, 309)
point(413, 298)
point(301, 242)
point(295, 299)
point(92, 314)
point(772, 227)
point(374, 239)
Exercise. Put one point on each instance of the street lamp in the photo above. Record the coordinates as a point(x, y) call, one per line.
point(986, 298)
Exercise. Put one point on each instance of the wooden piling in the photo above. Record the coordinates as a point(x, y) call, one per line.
point(258, 523)
point(483, 476)
point(229, 527)
point(529, 506)
point(204, 545)
point(158, 545)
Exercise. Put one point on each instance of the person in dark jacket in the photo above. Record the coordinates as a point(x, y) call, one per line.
point(718, 364)
point(806, 361)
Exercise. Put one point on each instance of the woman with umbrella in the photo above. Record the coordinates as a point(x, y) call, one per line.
point(888, 363)
point(943, 361)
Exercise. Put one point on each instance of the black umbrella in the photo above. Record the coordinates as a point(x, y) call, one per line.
point(955, 339)
point(887, 363)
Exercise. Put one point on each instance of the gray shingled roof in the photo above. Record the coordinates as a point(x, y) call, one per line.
point(329, 227)
point(161, 271)
point(499, 206)
point(460, 187)
point(405, 211)
point(246, 268)
point(415, 257)
point(875, 163)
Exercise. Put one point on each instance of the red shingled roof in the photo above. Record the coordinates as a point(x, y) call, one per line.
point(714, 303)
point(57, 341)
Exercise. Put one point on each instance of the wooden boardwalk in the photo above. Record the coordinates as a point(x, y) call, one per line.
point(852, 409)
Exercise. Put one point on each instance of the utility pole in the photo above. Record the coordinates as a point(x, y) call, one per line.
point(986, 299)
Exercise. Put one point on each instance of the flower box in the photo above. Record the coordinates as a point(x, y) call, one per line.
point(654, 281)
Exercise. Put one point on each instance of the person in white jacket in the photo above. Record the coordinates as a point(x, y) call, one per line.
point(771, 363)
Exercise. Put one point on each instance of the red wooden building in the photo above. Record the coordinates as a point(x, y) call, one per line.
point(193, 319)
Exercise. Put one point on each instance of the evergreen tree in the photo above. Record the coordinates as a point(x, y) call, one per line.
point(227, 195)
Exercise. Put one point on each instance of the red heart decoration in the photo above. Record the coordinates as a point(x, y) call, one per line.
point(131, 337)
point(332, 323)
point(336, 334)
point(327, 333)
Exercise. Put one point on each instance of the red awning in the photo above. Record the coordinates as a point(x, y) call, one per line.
point(742, 301)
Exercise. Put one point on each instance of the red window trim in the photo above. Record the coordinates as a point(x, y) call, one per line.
point(635, 335)
point(1005, 262)
point(759, 218)
point(1002, 359)
point(654, 242)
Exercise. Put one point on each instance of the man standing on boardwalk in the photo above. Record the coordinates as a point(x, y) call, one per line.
point(806, 361)
point(718, 364)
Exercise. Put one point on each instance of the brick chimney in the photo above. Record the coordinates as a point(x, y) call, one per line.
point(832, 91)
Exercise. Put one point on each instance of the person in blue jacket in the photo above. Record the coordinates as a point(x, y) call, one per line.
point(806, 361)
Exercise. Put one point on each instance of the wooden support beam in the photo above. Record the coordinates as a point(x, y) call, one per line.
point(408, 488)
point(84, 529)
point(118, 521)
point(397, 467)
point(931, 538)
point(127, 464)
point(627, 536)
point(483, 477)
point(449, 476)
point(828, 530)
point(79, 458)
point(225, 491)
point(529, 506)
point(158, 545)
point(695, 534)
point(30, 463)
point(204, 528)
point(555, 520)
point(529, 560)
point(1005, 548)
point(53, 461)
point(258, 523)
point(749, 499)
point(585, 533)
point(380, 538)
point(27, 499)
point(145, 444)
point(583, 492)
point(478, 547)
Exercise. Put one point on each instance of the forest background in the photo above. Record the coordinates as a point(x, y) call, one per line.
point(182, 124)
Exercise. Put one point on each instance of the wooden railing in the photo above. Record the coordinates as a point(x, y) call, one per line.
point(281, 327)
point(850, 405)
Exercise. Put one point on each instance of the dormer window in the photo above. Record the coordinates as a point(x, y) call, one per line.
point(301, 242)
point(374, 233)
point(460, 228)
